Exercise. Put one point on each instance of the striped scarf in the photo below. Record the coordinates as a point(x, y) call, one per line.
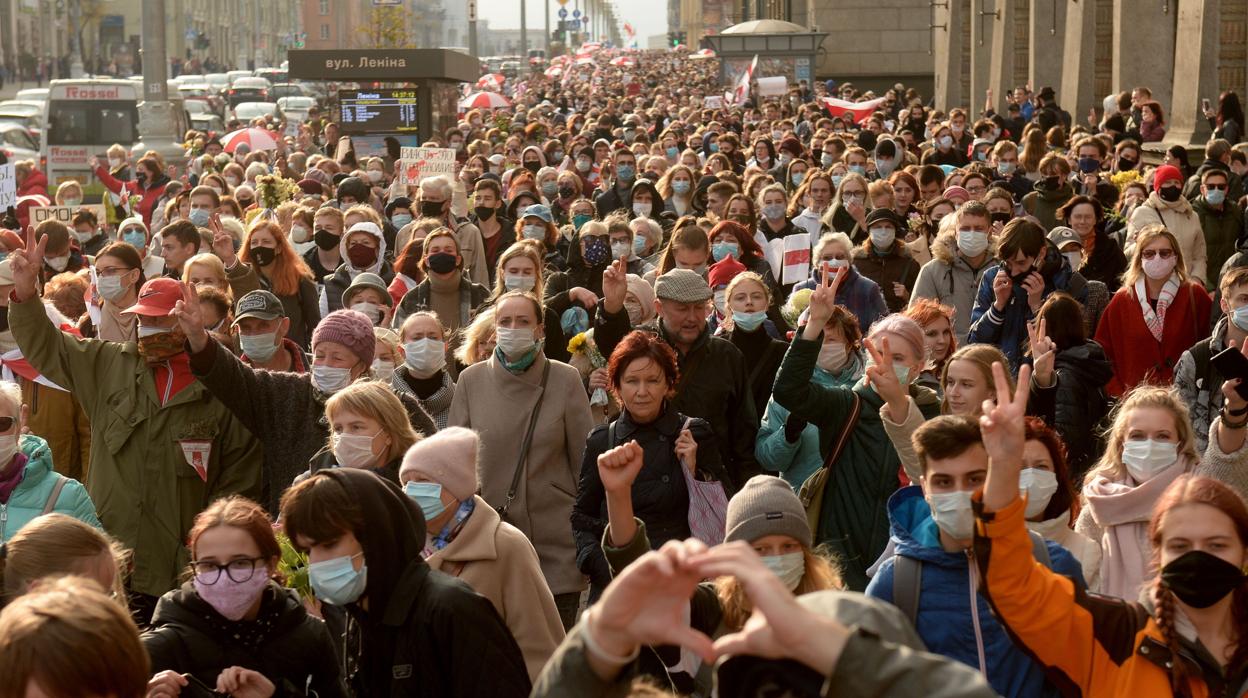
point(1156, 320)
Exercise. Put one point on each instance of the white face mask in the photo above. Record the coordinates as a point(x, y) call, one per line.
point(790, 567)
point(1039, 486)
point(641, 210)
point(514, 341)
point(1146, 458)
point(972, 243)
point(1074, 259)
point(354, 450)
point(258, 347)
point(372, 310)
point(232, 181)
point(114, 163)
point(83, 237)
point(425, 357)
point(58, 263)
point(832, 356)
point(952, 513)
point(9, 447)
point(110, 287)
point(382, 370)
point(330, 380)
point(519, 282)
point(298, 233)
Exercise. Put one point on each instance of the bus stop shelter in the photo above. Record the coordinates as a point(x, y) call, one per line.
point(436, 74)
point(783, 49)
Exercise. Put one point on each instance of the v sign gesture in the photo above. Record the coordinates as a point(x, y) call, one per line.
point(823, 300)
point(26, 264)
point(1004, 435)
point(191, 318)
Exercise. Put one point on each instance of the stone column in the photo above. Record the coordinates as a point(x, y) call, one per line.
point(1075, 94)
point(1195, 73)
point(1001, 71)
point(1047, 35)
point(1144, 47)
point(947, 54)
point(983, 30)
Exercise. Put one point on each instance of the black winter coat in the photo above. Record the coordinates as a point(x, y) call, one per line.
point(1077, 403)
point(290, 648)
point(660, 496)
point(1106, 263)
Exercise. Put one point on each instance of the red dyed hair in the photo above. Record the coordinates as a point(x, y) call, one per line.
point(1064, 498)
point(642, 345)
point(288, 267)
point(242, 513)
point(745, 239)
point(926, 311)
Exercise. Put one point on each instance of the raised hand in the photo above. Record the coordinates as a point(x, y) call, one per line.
point(618, 467)
point(1043, 352)
point(93, 162)
point(883, 378)
point(26, 264)
point(615, 285)
point(583, 296)
point(823, 300)
point(1034, 285)
point(1002, 287)
point(222, 242)
point(1004, 435)
point(191, 318)
point(1232, 400)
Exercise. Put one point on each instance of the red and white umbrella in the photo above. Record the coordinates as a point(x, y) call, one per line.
point(585, 61)
point(704, 53)
point(254, 138)
point(554, 71)
point(624, 61)
point(561, 60)
point(491, 81)
point(588, 48)
point(484, 100)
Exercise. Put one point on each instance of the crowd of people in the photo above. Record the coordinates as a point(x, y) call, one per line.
point(662, 393)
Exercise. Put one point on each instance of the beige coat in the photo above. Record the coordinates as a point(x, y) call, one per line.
point(1181, 220)
point(499, 563)
point(497, 404)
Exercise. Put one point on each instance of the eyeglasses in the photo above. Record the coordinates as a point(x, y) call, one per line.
point(6, 423)
point(1164, 254)
point(110, 271)
point(239, 571)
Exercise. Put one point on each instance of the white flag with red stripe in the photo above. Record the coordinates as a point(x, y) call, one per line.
point(796, 258)
point(742, 91)
point(855, 110)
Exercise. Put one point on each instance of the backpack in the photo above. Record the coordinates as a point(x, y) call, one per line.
point(908, 577)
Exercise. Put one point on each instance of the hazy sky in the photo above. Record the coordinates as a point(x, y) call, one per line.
point(647, 16)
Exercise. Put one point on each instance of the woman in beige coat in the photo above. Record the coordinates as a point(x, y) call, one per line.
point(497, 399)
point(468, 540)
point(1167, 207)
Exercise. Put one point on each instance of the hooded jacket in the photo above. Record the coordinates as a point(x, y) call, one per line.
point(949, 279)
point(335, 284)
point(425, 633)
point(1077, 402)
point(33, 492)
point(1043, 203)
point(945, 618)
point(285, 644)
point(1181, 220)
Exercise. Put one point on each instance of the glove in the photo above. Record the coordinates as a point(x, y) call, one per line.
point(793, 428)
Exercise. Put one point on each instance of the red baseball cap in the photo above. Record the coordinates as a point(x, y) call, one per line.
point(157, 298)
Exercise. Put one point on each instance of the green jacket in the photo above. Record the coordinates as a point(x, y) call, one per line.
point(854, 517)
point(34, 492)
point(1222, 230)
point(146, 492)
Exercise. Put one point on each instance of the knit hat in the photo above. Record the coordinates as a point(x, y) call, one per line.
point(791, 145)
point(682, 286)
point(766, 506)
point(903, 328)
point(311, 187)
point(645, 295)
point(448, 458)
point(1166, 173)
point(957, 193)
point(723, 271)
point(350, 328)
point(355, 188)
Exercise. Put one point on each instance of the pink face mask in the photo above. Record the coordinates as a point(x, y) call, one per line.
point(230, 598)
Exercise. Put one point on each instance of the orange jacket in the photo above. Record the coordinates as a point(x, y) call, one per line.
point(1091, 645)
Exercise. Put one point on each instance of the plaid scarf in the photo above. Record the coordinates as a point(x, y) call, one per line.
point(1156, 320)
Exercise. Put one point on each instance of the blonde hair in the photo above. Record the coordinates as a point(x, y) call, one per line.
point(376, 401)
point(744, 277)
point(476, 334)
point(392, 340)
point(1144, 238)
point(206, 259)
point(530, 250)
point(1110, 465)
point(68, 639)
point(53, 545)
point(12, 393)
point(982, 356)
point(821, 574)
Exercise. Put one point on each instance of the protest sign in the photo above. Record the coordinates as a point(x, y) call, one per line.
point(64, 214)
point(416, 164)
point(8, 187)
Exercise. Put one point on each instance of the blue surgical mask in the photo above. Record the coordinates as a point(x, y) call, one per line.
point(401, 219)
point(337, 581)
point(748, 321)
point(882, 238)
point(1215, 197)
point(672, 153)
point(797, 177)
point(723, 249)
point(858, 170)
point(200, 217)
point(428, 496)
point(680, 186)
point(1005, 169)
point(639, 245)
point(903, 373)
point(836, 181)
point(626, 173)
point(534, 232)
point(714, 147)
point(136, 238)
point(1239, 316)
point(549, 189)
point(579, 219)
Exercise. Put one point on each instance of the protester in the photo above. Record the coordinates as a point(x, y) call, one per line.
point(267, 261)
point(260, 328)
point(55, 545)
point(1197, 379)
point(1167, 208)
point(959, 261)
point(446, 290)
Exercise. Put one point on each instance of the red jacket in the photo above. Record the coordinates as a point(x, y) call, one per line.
point(1135, 355)
point(148, 197)
point(35, 183)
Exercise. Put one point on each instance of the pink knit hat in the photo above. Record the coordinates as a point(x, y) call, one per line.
point(448, 458)
point(350, 328)
point(902, 328)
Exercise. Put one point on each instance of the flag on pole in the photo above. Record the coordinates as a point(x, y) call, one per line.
point(855, 110)
point(742, 91)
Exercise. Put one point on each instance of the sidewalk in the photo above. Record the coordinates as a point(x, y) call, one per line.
point(11, 87)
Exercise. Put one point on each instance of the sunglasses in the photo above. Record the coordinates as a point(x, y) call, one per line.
point(1164, 254)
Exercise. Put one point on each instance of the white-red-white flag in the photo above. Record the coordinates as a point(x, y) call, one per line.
point(855, 110)
point(742, 91)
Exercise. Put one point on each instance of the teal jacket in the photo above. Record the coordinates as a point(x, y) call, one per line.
point(31, 496)
point(854, 518)
point(797, 460)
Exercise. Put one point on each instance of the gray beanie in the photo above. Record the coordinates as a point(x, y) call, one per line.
point(766, 506)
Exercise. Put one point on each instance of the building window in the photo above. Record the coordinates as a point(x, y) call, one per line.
point(325, 32)
point(324, 7)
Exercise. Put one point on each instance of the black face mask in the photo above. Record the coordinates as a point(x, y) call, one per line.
point(442, 263)
point(1199, 579)
point(485, 213)
point(1001, 216)
point(1126, 164)
point(431, 209)
point(263, 256)
point(1049, 183)
point(1170, 193)
point(533, 166)
point(325, 239)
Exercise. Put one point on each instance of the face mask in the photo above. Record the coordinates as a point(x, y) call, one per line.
point(1049, 183)
point(672, 153)
point(583, 165)
point(519, 282)
point(8, 449)
point(330, 380)
point(884, 167)
point(354, 450)
point(626, 173)
point(1126, 164)
point(882, 238)
point(534, 232)
point(597, 251)
point(73, 202)
point(232, 181)
point(383, 370)
point(832, 356)
point(639, 245)
point(337, 581)
point(372, 310)
point(533, 166)
point(263, 256)
point(714, 147)
point(431, 209)
point(785, 159)
point(1145, 458)
point(621, 249)
point(836, 180)
point(83, 237)
point(945, 142)
point(401, 219)
point(1200, 579)
point(1239, 316)
point(952, 513)
point(230, 598)
point(1089, 165)
point(58, 263)
point(566, 192)
point(826, 160)
point(790, 568)
point(141, 178)
point(1215, 197)
point(1039, 486)
point(858, 170)
point(902, 372)
point(1074, 259)
point(484, 213)
point(298, 234)
point(748, 321)
point(981, 156)
point(1158, 268)
point(442, 263)
point(428, 496)
point(158, 344)
point(514, 341)
point(642, 209)
point(258, 347)
point(721, 250)
point(773, 212)
point(972, 243)
point(362, 256)
point(494, 169)
point(114, 163)
point(325, 239)
point(680, 186)
point(425, 356)
point(556, 156)
point(110, 287)
point(719, 299)
point(1005, 169)
point(549, 189)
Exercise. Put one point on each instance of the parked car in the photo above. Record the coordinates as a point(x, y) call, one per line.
point(16, 143)
point(31, 121)
point(32, 94)
point(206, 122)
point(248, 90)
point(247, 111)
point(234, 75)
point(296, 108)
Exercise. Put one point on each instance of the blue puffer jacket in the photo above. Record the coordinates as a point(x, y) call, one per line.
point(945, 620)
point(798, 460)
point(31, 496)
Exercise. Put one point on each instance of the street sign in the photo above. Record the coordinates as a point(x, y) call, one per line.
point(563, 13)
point(576, 13)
